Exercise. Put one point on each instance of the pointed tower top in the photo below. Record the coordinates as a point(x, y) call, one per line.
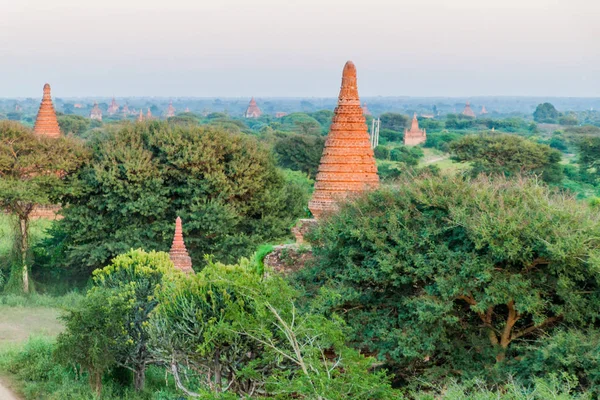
point(349, 69)
point(178, 254)
point(46, 123)
point(349, 89)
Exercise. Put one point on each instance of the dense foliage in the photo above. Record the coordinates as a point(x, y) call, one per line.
point(446, 277)
point(225, 187)
point(508, 155)
point(546, 112)
point(32, 172)
point(300, 152)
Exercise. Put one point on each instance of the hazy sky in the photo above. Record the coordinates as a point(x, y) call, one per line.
point(233, 48)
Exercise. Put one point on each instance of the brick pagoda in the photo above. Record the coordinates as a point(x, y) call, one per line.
point(468, 111)
point(140, 117)
point(113, 108)
point(178, 254)
point(483, 110)
point(46, 123)
point(414, 135)
point(347, 165)
point(252, 111)
point(96, 113)
point(366, 110)
point(170, 110)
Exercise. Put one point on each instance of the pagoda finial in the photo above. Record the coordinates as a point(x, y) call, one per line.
point(178, 254)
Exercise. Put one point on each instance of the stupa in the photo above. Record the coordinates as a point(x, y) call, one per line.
point(140, 117)
point(113, 108)
point(414, 135)
point(125, 110)
point(252, 111)
point(468, 111)
point(96, 113)
point(149, 114)
point(187, 109)
point(366, 110)
point(178, 254)
point(347, 165)
point(170, 110)
point(483, 110)
point(46, 123)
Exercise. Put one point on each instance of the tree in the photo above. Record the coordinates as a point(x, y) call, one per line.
point(508, 155)
point(73, 124)
point(589, 158)
point(545, 113)
point(134, 278)
point(93, 335)
point(408, 155)
point(238, 332)
point(225, 187)
point(300, 152)
point(393, 121)
point(32, 172)
point(442, 275)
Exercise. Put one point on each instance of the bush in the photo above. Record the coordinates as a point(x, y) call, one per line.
point(382, 153)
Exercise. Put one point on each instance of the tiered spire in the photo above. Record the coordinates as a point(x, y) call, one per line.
point(178, 254)
point(252, 111)
point(415, 135)
point(468, 111)
point(347, 164)
point(149, 114)
point(170, 110)
point(366, 109)
point(483, 110)
point(96, 113)
point(46, 123)
point(140, 117)
point(113, 108)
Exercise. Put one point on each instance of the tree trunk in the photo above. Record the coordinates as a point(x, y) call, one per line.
point(139, 377)
point(23, 247)
point(96, 382)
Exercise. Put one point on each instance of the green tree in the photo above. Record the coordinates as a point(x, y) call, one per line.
point(32, 172)
point(589, 158)
point(442, 276)
point(134, 278)
point(236, 331)
point(546, 113)
point(300, 152)
point(73, 124)
point(508, 155)
point(93, 335)
point(394, 121)
point(226, 188)
point(406, 154)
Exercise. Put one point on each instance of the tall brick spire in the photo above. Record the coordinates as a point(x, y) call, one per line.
point(46, 123)
point(178, 254)
point(347, 164)
point(415, 135)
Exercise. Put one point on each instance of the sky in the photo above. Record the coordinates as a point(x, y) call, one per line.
point(291, 48)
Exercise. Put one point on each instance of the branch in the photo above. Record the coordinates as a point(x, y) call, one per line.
point(532, 328)
point(178, 381)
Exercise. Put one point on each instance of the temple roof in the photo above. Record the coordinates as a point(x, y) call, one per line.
point(347, 165)
point(178, 254)
point(46, 123)
point(468, 111)
point(252, 111)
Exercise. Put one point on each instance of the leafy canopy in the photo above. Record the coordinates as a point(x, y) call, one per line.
point(441, 276)
point(508, 155)
point(225, 187)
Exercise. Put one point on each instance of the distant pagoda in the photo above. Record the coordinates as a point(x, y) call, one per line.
point(252, 111)
point(46, 123)
point(140, 117)
point(113, 108)
point(366, 110)
point(468, 111)
point(170, 110)
point(483, 110)
point(96, 113)
point(149, 114)
point(414, 135)
point(178, 254)
point(347, 165)
point(125, 110)
point(187, 109)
